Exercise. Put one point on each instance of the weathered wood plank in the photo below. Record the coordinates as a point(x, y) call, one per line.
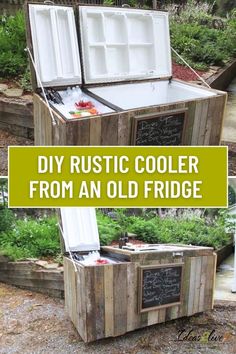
point(203, 282)
point(59, 134)
point(95, 131)
point(120, 298)
point(153, 317)
point(80, 313)
point(209, 121)
point(109, 130)
point(203, 122)
point(90, 304)
point(191, 106)
point(20, 107)
point(124, 129)
point(214, 279)
point(162, 315)
point(33, 283)
point(78, 132)
point(197, 284)
point(133, 318)
point(197, 121)
point(16, 119)
point(99, 314)
point(217, 120)
point(192, 285)
point(109, 301)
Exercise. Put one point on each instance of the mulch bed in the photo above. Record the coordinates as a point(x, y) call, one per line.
point(184, 73)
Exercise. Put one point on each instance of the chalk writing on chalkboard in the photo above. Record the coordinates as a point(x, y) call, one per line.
point(159, 129)
point(160, 286)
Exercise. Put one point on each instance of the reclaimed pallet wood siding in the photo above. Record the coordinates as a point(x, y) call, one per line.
point(42, 123)
point(102, 301)
point(218, 114)
point(203, 124)
point(70, 285)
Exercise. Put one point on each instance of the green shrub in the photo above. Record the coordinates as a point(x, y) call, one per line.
point(13, 59)
point(145, 230)
point(36, 238)
point(193, 231)
point(7, 219)
point(15, 253)
point(108, 229)
point(193, 37)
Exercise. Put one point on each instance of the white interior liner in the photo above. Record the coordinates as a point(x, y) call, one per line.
point(55, 44)
point(70, 96)
point(80, 229)
point(124, 44)
point(129, 96)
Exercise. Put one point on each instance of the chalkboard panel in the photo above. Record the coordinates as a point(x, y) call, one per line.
point(160, 286)
point(159, 129)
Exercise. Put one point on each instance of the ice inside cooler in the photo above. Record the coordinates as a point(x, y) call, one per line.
point(77, 104)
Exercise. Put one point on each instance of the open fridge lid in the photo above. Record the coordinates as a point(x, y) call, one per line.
point(80, 231)
point(55, 45)
point(120, 44)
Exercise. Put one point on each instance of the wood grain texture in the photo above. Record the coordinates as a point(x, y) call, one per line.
point(218, 117)
point(133, 319)
point(102, 301)
point(192, 279)
point(95, 131)
point(99, 313)
point(109, 301)
point(109, 130)
point(124, 129)
point(78, 132)
point(120, 298)
point(191, 106)
point(89, 305)
point(197, 284)
point(203, 124)
point(203, 281)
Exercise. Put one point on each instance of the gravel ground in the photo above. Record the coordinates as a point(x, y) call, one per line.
point(7, 139)
point(32, 323)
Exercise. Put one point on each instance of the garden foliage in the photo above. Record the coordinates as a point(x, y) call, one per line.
point(201, 45)
point(23, 238)
point(13, 59)
point(208, 230)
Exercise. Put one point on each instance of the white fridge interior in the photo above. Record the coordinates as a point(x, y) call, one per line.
point(130, 44)
point(118, 45)
point(137, 95)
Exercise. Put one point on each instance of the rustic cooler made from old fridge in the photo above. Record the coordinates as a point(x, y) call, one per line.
point(130, 288)
point(107, 76)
